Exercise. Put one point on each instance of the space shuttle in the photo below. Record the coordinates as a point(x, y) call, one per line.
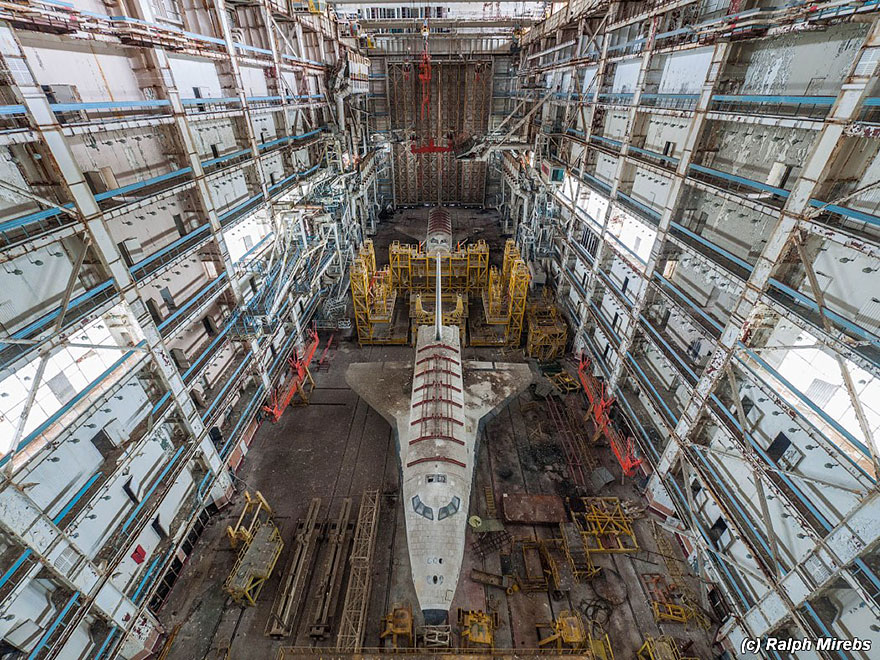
point(437, 403)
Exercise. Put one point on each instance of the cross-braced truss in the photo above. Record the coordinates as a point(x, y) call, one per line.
point(461, 94)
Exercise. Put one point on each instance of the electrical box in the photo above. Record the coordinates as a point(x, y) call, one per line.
point(553, 174)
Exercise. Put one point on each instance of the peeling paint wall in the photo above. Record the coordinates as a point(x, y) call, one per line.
point(811, 63)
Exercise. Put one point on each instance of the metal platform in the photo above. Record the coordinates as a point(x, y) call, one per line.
point(254, 565)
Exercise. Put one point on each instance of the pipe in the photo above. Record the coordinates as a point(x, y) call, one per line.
point(438, 305)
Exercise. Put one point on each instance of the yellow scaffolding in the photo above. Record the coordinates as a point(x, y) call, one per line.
point(661, 648)
point(478, 266)
point(261, 545)
point(464, 272)
point(477, 628)
point(605, 526)
point(667, 603)
point(547, 333)
point(399, 626)
point(454, 311)
point(504, 301)
point(465, 269)
point(493, 299)
point(243, 531)
point(580, 561)
point(571, 632)
point(518, 293)
point(511, 256)
point(687, 606)
point(373, 299)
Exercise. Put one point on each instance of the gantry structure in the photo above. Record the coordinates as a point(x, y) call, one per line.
point(701, 189)
point(183, 189)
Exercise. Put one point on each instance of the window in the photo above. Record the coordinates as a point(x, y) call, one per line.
point(125, 252)
point(820, 392)
point(717, 530)
point(625, 284)
point(178, 223)
point(778, 446)
point(197, 93)
point(168, 298)
point(249, 240)
point(209, 326)
point(180, 359)
point(66, 561)
point(779, 174)
point(153, 309)
point(215, 152)
point(449, 509)
point(669, 148)
point(126, 487)
point(664, 319)
point(102, 443)
point(592, 242)
point(435, 478)
point(96, 181)
point(423, 510)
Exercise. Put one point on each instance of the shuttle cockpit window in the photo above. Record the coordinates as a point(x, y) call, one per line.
point(449, 509)
point(422, 509)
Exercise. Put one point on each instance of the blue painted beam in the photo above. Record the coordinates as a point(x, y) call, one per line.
point(207, 414)
point(46, 635)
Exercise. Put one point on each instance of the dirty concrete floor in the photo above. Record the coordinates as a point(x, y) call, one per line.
point(337, 447)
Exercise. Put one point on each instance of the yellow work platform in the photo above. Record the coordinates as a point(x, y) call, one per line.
point(254, 565)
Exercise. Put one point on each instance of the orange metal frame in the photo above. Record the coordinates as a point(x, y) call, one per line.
point(282, 396)
point(600, 403)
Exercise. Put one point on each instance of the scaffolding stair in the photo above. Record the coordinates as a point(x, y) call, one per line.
point(357, 594)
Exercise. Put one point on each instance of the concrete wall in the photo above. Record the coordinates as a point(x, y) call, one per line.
point(191, 72)
point(626, 75)
point(683, 73)
point(101, 72)
point(810, 63)
point(67, 372)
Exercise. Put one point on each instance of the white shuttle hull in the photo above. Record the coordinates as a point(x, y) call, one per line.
point(437, 403)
